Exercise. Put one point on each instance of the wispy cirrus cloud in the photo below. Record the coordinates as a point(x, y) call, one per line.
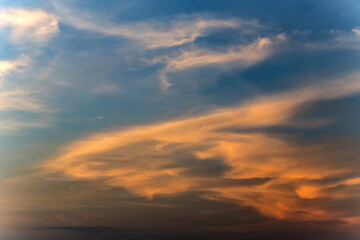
point(278, 177)
point(14, 103)
point(240, 56)
point(152, 34)
point(20, 100)
point(338, 39)
point(28, 25)
point(179, 31)
point(346, 39)
point(31, 27)
point(13, 124)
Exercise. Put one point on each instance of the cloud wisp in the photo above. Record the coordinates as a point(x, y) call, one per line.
point(29, 28)
point(28, 25)
point(176, 32)
point(278, 177)
point(8, 66)
point(338, 39)
point(20, 100)
point(241, 56)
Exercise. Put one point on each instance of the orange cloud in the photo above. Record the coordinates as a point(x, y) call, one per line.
point(280, 178)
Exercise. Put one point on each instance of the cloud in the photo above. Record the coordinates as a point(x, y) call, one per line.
point(280, 178)
point(347, 39)
point(16, 125)
point(23, 26)
point(28, 25)
point(21, 109)
point(338, 39)
point(20, 100)
point(152, 34)
point(242, 56)
point(9, 66)
point(178, 31)
point(356, 31)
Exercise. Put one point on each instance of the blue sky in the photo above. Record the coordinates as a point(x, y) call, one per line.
point(144, 107)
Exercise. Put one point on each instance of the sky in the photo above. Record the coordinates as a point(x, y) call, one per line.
point(158, 119)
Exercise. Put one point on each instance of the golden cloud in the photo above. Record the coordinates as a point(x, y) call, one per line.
point(280, 178)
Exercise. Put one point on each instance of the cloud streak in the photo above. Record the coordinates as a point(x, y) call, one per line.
point(14, 103)
point(179, 31)
point(20, 100)
point(241, 56)
point(175, 32)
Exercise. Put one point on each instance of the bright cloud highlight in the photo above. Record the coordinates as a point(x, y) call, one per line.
point(28, 25)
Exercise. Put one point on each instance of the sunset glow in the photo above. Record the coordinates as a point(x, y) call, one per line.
point(180, 120)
